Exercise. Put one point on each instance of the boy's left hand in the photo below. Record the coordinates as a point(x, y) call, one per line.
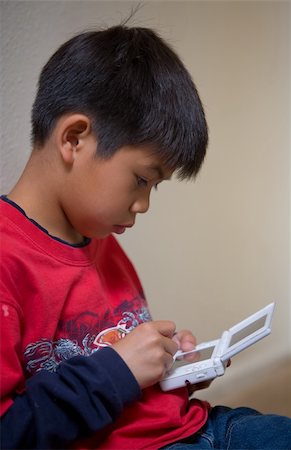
point(186, 342)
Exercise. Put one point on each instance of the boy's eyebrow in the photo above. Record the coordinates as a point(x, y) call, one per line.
point(157, 169)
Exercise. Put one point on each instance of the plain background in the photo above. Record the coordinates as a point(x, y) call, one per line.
point(213, 251)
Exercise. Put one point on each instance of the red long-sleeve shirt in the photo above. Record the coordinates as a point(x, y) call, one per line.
point(62, 306)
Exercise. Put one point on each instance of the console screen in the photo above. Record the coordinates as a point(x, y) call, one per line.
point(247, 331)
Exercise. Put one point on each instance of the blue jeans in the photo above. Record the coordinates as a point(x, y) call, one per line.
point(239, 428)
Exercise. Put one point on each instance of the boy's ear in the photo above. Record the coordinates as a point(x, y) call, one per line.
point(71, 133)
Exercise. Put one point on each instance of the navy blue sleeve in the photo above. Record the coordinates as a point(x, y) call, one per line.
point(86, 394)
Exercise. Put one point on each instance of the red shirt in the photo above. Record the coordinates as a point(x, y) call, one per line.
point(60, 301)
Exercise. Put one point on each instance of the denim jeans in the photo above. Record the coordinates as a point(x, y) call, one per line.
point(237, 429)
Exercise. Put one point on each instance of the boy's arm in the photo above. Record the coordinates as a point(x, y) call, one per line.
point(85, 395)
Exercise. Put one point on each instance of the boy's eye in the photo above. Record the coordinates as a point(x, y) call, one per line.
point(141, 181)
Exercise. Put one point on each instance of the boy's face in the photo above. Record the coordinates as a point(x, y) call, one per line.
point(104, 196)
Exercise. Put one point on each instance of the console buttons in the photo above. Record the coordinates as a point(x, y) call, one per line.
point(200, 376)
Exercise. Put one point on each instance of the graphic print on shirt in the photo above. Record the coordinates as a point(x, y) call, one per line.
point(84, 335)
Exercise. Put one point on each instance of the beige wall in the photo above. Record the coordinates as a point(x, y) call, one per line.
point(210, 252)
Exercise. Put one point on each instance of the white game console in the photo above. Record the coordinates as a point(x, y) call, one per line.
point(213, 356)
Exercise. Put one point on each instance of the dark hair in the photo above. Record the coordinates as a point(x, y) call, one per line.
point(134, 88)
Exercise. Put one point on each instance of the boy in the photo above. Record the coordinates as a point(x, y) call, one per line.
point(116, 113)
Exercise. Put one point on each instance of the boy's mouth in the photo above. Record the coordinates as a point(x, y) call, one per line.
point(119, 229)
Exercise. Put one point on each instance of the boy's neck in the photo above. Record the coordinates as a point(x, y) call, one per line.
point(36, 192)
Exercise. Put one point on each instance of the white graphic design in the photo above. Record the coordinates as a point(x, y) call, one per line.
point(47, 354)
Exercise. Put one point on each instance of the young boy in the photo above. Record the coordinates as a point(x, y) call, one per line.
point(116, 113)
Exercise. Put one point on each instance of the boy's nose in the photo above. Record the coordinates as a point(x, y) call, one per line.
point(141, 205)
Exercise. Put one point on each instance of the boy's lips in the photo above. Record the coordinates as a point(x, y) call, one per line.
point(119, 229)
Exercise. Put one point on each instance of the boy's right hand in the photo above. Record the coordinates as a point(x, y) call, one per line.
point(148, 351)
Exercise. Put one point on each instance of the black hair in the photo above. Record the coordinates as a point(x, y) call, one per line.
point(134, 88)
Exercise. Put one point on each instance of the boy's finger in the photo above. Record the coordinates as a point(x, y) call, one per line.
point(166, 327)
point(170, 347)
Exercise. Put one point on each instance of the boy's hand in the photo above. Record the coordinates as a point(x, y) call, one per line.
point(186, 342)
point(148, 351)
point(198, 386)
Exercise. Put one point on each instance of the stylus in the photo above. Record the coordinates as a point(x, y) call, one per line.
point(199, 347)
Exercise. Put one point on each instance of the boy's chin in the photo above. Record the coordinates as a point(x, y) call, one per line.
point(102, 234)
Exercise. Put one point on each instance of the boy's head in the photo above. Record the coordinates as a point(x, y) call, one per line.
point(134, 89)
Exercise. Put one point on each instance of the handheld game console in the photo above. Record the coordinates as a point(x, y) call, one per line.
point(213, 356)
